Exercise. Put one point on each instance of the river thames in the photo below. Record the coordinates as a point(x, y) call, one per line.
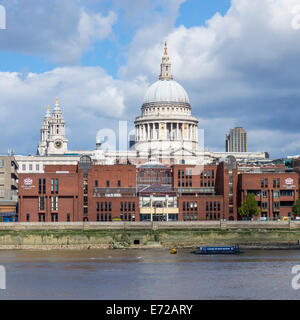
point(148, 274)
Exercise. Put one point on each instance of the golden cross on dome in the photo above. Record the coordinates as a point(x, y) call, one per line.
point(56, 100)
point(166, 48)
point(48, 108)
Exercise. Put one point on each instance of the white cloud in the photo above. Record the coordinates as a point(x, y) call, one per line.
point(239, 70)
point(90, 100)
point(242, 67)
point(57, 30)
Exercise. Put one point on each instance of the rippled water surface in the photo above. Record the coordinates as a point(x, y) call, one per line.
point(148, 274)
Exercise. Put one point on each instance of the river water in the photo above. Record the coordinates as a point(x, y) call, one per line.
point(148, 274)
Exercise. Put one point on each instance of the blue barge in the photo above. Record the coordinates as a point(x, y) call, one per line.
point(218, 250)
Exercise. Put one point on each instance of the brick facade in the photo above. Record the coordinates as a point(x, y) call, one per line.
point(180, 192)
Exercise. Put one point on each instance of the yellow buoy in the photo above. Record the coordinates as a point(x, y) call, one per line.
point(173, 251)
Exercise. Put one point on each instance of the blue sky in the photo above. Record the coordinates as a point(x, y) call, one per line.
point(238, 60)
point(109, 53)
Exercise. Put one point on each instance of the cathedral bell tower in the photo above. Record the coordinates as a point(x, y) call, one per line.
point(58, 143)
point(53, 133)
point(43, 145)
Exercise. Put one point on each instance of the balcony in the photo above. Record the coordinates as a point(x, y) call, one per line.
point(114, 192)
point(210, 190)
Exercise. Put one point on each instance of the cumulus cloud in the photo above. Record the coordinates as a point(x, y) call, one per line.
point(90, 100)
point(241, 67)
point(58, 30)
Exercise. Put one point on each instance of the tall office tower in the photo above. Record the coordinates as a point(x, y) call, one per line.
point(236, 140)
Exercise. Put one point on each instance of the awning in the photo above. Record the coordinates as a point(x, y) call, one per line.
point(7, 214)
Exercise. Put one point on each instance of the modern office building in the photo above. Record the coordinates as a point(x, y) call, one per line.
point(8, 188)
point(236, 140)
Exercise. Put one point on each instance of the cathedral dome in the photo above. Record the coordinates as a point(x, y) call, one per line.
point(166, 91)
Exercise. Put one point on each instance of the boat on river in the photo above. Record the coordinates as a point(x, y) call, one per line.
point(218, 250)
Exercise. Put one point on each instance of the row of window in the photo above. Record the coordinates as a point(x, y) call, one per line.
point(42, 185)
point(189, 205)
point(30, 167)
point(194, 217)
point(276, 194)
point(107, 184)
point(54, 203)
point(276, 205)
point(108, 217)
point(124, 206)
point(265, 183)
point(213, 206)
point(42, 217)
point(204, 173)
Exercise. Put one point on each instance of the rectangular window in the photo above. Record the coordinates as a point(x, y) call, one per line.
point(41, 203)
point(30, 167)
point(121, 206)
point(37, 167)
point(133, 206)
point(52, 185)
point(274, 183)
point(40, 185)
point(68, 217)
point(27, 217)
point(54, 203)
point(98, 206)
point(262, 182)
point(56, 185)
point(98, 217)
point(119, 183)
point(44, 185)
point(107, 183)
point(265, 194)
point(96, 183)
point(266, 183)
point(278, 183)
point(24, 167)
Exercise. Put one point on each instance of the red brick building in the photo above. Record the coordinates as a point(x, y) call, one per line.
point(153, 192)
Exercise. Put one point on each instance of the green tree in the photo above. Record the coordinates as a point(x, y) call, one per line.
point(250, 207)
point(296, 208)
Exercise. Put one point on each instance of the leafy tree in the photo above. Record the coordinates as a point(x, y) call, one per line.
point(250, 207)
point(296, 208)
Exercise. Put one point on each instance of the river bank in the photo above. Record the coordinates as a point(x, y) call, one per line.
point(250, 235)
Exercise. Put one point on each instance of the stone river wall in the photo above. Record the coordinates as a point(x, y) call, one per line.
point(88, 235)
